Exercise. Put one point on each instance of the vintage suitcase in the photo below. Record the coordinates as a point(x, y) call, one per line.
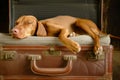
point(53, 63)
point(46, 58)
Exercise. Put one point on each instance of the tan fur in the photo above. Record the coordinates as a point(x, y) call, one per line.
point(60, 26)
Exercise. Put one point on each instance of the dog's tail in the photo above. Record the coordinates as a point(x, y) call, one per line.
point(115, 37)
point(111, 36)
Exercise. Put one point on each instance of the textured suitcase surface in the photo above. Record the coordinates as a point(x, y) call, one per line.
point(54, 63)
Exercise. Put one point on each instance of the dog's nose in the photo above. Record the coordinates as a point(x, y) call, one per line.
point(15, 31)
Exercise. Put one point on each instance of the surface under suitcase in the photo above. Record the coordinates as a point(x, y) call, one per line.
point(54, 63)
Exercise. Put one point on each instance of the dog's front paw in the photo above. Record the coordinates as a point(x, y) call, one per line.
point(73, 46)
point(98, 50)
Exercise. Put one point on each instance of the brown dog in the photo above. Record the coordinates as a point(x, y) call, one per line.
point(60, 26)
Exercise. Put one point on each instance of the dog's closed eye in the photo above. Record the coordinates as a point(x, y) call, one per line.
point(29, 22)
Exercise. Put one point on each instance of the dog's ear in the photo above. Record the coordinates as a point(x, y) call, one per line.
point(41, 29)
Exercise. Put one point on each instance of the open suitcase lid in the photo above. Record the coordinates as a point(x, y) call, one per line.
point(42, 9)
point(90, 9)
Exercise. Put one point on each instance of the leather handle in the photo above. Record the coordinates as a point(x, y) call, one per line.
point(53, 71)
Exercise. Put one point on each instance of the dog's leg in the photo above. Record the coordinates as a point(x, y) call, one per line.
point(70, 44)
point(63, 36)
point(88, 26)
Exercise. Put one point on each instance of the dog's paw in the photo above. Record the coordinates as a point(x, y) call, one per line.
point(99, 51)
point(74, 47)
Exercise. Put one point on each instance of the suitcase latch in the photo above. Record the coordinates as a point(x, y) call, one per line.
point(7, 55)
point(92, 57)
point(52, 52)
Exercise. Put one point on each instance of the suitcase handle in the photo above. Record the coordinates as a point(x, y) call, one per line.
point(53, 71)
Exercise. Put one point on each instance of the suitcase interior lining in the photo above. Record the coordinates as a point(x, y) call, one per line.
point(43, 9)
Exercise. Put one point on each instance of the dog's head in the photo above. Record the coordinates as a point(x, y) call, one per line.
point(26, 26)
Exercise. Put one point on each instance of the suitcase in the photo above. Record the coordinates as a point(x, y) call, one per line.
point(46, 58)
point(54, 63)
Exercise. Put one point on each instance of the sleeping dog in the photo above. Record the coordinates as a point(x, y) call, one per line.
point(59, 26)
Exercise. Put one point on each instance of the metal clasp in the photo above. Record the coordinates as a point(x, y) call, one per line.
point(7, 55)
point(34, 57)
point(52, 52)
point(91, 56)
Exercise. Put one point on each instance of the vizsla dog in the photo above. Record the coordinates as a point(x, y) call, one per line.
point(61, 27)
